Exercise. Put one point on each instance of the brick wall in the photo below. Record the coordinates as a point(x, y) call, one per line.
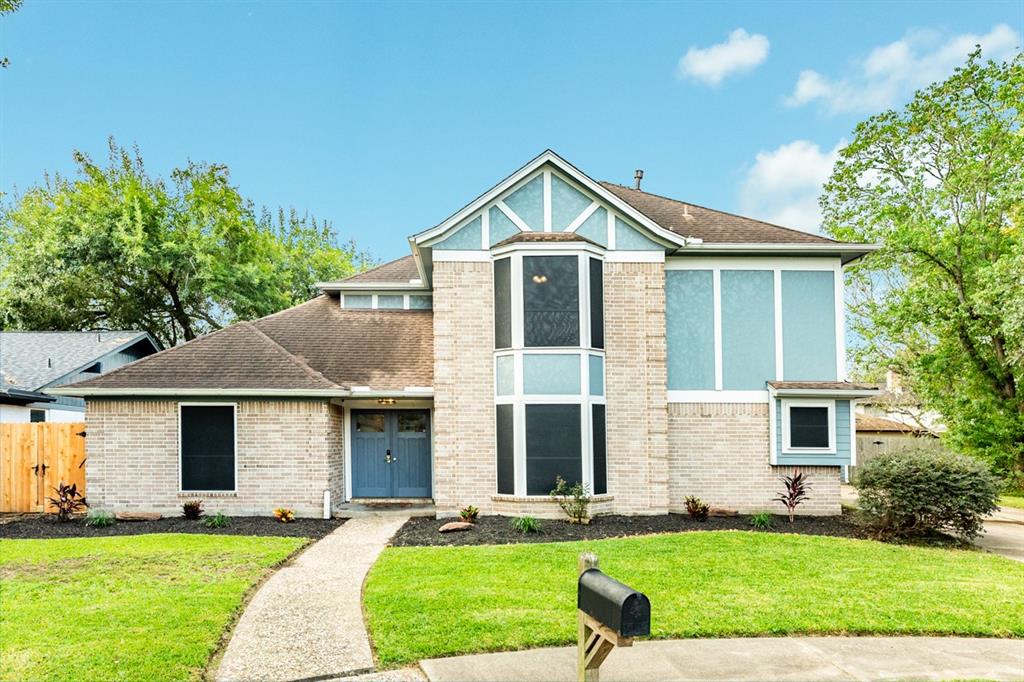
point(288, 452)
point(635, 381)
point(465, 470)
point(720, 453)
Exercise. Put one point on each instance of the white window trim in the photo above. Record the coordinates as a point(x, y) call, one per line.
point(518, 398)
point(234, 417)
point(787, 403)
point(777, 266)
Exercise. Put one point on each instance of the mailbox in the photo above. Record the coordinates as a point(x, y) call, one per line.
point(616, 606)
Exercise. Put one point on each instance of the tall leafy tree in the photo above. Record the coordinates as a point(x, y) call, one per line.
point(114, 248)
point(941, 185)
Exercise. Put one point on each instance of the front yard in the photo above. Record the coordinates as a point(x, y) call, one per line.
point(146, 607)
point(424, 602)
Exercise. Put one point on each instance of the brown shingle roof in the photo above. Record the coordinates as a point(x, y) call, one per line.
point(400, 270)
point(713, 227)
point(536, 237)
point(823, 385)
point(313, 346)
point(866, 423)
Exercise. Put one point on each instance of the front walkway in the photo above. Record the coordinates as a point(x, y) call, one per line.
point(763, 658)
point(307, 619)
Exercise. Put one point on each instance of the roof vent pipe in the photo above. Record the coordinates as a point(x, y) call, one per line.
point(638, 176)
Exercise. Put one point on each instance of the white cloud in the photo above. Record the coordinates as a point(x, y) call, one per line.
point(783, 185)
point(741, 52)
point(891, 71)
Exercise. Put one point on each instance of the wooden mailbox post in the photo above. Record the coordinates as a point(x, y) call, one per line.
point(608, 614)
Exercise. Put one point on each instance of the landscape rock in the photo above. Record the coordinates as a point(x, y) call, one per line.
point(453, 526)
point(722, 511)
point(137, 516)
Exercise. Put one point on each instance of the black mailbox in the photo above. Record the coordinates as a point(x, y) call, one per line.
point(613, 604)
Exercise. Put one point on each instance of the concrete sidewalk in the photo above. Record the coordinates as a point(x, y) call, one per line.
point(782, 658)
point(307, 619)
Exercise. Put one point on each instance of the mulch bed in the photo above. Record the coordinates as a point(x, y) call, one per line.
point(495, 530)
point(39, 526)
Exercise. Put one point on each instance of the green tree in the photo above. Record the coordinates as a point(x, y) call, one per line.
point(940, 185)
point(116, 249)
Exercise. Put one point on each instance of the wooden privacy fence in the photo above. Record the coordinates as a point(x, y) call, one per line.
point(35, 458)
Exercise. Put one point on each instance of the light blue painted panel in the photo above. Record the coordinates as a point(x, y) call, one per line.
point(567, 203)
point(500, 226)
point(390, 302)
point(528, 203)
point(551, 374)
point(466, 237)
point(420, 302)
point(596, 375)
point(808, 326)
point(843, 440)
point(690, 328)
point(358, 300)
point(595, 228)
point(504, 384)
point(748, 329)
point(629, 239)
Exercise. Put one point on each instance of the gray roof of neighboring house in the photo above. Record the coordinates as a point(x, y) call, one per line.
point(313, 346)
point(33, 360)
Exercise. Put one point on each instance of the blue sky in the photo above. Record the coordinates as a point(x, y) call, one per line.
point(385, 118)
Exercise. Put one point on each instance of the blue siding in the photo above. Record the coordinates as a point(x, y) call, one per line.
point(567, 203)
point(595, 228)
point(629, 239)
point(466, 237)
point(690, 329)
point(748, 329)
point(500, 226)
point(843, 440)
point(528, 203)
point(808, 326)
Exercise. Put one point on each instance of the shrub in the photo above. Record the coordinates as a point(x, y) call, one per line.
point(284, 514)
point(469, 514)
point(525, 524)
point(68, 501)
point(796, 490)
point(697, 508)
point(192, 509)
point(573, 499)
point(218, 520)
point(99, 518)
point(761, 521)
point(920, 490)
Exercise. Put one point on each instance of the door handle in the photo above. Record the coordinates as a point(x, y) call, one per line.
point(387, 457)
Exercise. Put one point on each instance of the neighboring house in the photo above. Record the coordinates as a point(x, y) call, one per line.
point(32, 363)
point(554, 326)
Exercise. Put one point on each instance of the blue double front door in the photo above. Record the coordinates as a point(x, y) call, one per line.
point(391, 453)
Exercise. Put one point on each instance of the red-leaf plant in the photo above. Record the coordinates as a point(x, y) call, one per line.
point(796, 490)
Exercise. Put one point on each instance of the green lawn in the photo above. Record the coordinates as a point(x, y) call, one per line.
point(1015, 501)
point(143, 607)
point(424, 602)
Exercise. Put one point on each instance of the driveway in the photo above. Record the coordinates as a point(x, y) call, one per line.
point(1004, 533)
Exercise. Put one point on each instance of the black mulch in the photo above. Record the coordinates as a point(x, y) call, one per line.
point(36, 526)
point(495, 530)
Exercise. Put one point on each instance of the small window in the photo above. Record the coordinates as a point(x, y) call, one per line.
point(596, 303)
point(369, 423)
point(808, 426)
point(553, 447)
point(551, 301)
point(391, 301)
point(412, 422)
point(207, 447)
point(95, 368)
point(505, 420)
point(503, 303)
point(36, 416)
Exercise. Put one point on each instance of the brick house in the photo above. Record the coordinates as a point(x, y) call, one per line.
point(555, 325)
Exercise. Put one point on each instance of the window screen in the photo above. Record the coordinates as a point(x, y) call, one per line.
point(36, 416)
point(808, 427)
point(506, 449)
point(600, 451)
point(552, 447)
point(551, 301)
point(207, 447)
point(502, 303)
point(596, 303)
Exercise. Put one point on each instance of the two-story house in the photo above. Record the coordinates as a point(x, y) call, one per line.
point(554, 326)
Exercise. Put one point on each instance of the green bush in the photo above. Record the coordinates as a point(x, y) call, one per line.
point(99, 518)
point(573, 499)
point(525, 524)
point(697, 508)
point(218, 520)
point(921, 490)
point(761, 521)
